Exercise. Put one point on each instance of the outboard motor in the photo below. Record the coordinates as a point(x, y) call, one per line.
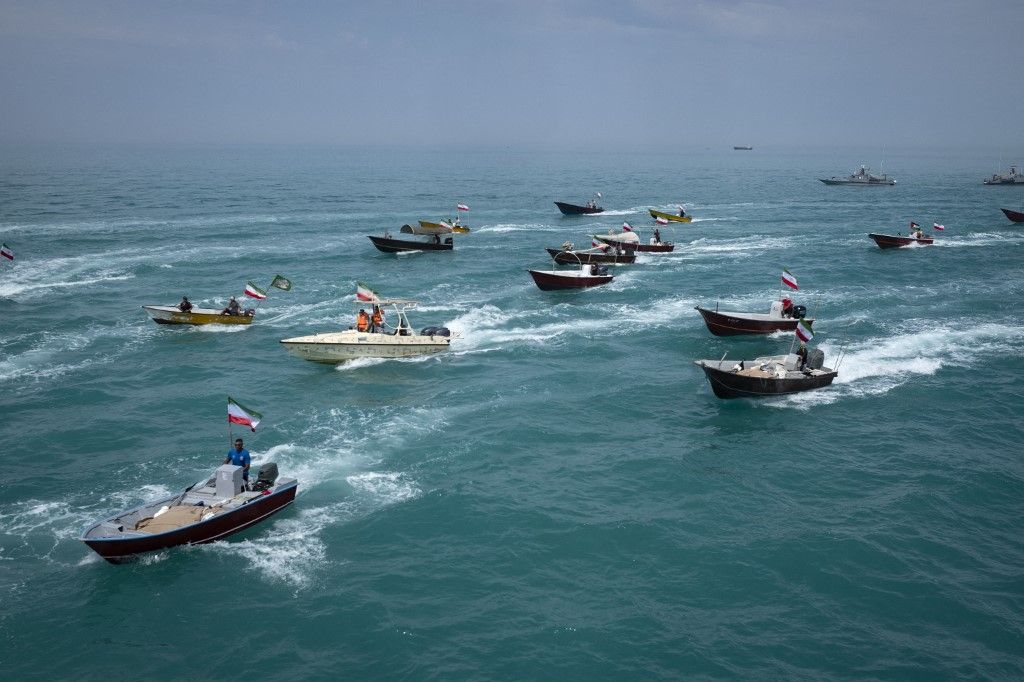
point(599, 269)
point(428, 331)
point(266, 477)
point(448, 240)
point(442, 331)
point(815, 358)
point(799, 312)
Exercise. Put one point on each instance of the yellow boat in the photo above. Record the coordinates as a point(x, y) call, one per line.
point(670, 216)
point(170, 314)
point(438, 227)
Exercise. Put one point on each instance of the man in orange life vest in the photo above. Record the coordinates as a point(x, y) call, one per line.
point(362, 321)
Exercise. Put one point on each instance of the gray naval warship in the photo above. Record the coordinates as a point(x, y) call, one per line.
point(863, 176)
point(1014, 177)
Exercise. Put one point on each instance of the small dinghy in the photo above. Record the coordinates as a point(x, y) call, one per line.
point(731, 323)
point(209, 510)
point(588, 275)
point(671, 217)
point(770, 375)
point(892, 241)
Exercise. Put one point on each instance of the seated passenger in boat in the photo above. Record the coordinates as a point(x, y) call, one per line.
point(186, 305)
point(787, 307)
point(232, 308)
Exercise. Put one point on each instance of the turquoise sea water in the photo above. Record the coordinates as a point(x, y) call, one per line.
point(560, 495)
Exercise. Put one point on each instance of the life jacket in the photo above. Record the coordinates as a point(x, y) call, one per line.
point(362, 322)
point(378, 318)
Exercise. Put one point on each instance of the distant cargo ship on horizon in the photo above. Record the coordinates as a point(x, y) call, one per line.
point(744, 147)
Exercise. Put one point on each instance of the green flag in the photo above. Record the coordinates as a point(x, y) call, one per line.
point(281, 283)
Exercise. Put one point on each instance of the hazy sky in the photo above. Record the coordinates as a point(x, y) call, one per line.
point(533, 74)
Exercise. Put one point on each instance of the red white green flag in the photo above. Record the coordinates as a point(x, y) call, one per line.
point(789, 279)
point(462, 207)
point(6, 252)
point(626, 227)
point(803, 330)
point(661, 221)
point(365, 293)
point(239, 414)
point(254, 291)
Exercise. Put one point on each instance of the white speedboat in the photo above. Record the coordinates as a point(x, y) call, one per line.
point(398, 341)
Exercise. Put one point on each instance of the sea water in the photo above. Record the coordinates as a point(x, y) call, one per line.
point(558, 495)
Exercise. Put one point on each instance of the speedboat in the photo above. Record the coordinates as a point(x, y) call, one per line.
point(1013, 177)
point(630, 241)
point(398, 341)
point(892, 241)
point(671, 217)
point(430, 240)
point(171, 314)
point(573, 209)
point(769, 375)
point(209, 510)
point(1015, 216)
point(569, 255)
point(730, 323)
point(588, 275)
point(862, 176)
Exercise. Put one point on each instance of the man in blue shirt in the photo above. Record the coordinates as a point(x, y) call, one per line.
point(239, 456)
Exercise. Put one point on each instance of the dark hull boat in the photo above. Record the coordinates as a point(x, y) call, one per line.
point(208, 511)
point(570, 257)
point(726, 323)
point(775, 375)
point(392, 245)
point(890, 241)
point(1015, 216)
point(635, 244)
point(573, 209)
point(559, 280)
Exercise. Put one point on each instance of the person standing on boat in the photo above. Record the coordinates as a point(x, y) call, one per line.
point(186, 305)
point(787, 306)
point(682, 212)
point(239, 456)
point(362, 321)
point(657, 236)
point(802, 354)
point(377, 320)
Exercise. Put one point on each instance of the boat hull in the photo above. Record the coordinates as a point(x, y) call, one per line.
point(1014, 216)
point(662, 247)
point(553, 280)
point(120, 550)
point(338, 347)
point(890, 241)
point(578, 257)
point(727, 384)
point(391, 245)
point(669, 216)
point(573, 209)
point(169, 314)
point(739, 324)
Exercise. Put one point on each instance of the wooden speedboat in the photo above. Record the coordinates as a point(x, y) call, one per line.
point(891, 241)
point(430, 239)
point(207, 511)
point(570, 256)
point(398, 341)
point(630, 241)
point(573, 209)
point(1015, 216)
point(770, 375)
point(588, 275)
point(730, 323)
point(672, 217)
point(171, 314)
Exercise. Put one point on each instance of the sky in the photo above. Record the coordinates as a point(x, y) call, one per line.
point(530, 74)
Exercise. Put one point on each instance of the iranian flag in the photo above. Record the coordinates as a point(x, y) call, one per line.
point(462, 207)
point(445, 225)
point(365, 293)
point(6, 252)
point(239, 414)
point(254, 291)
point(626, 227)
point(936, 226)
point(913, 225)
point(803, 330)
point(661, 221)
point(789, 279)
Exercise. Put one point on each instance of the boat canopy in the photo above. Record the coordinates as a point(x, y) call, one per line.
point(426, 229)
